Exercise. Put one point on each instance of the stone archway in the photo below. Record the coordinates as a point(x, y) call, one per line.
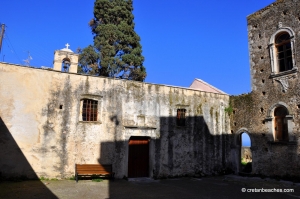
point(244, 157)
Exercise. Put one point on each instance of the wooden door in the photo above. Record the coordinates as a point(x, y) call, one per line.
point(278, 127)
point(281, 127)
point(138, 157)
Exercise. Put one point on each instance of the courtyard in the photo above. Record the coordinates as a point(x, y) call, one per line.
point(229, 186)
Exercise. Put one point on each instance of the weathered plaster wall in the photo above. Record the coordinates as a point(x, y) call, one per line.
point(254, 112)
point(41, 110)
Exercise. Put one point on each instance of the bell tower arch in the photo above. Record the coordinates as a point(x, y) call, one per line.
point(65, 60)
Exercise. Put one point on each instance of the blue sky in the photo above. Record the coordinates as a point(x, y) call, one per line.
point(181, 40)
point(246, 140)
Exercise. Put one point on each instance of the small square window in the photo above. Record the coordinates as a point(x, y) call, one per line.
point(180, 120)
point(89, 110)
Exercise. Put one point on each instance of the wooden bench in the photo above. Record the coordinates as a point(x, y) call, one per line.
point(93, 169)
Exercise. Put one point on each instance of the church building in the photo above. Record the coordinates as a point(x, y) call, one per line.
point(54, 118)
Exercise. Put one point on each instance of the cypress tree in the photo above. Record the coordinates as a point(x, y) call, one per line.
point(116, 51)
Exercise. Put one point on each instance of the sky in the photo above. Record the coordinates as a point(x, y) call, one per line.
point(181, 40)
point(246, 140)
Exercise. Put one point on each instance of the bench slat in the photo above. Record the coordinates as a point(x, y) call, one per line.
point(97, 169)
point(92, 173)
point(88, 170)
point(101, 166)
point(93, 169)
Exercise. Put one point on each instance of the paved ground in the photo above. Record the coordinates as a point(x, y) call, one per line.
point(209, 187)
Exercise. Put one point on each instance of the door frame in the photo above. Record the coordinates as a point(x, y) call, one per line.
point(149, 151)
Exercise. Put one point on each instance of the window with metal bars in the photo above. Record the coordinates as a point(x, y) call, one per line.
point(89, 110)
point(180, 121)
point(284, 52)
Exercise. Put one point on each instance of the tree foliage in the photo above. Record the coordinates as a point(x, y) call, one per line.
point(117, 51)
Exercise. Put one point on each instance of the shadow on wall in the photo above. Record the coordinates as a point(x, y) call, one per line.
point(13, 165)
point(195, 148)
point(173, 151)
point(267, 156)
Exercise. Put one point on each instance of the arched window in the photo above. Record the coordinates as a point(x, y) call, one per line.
point(284, 52)
point(281, 124)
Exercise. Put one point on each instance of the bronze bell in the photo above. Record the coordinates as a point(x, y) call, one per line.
point(66, 64)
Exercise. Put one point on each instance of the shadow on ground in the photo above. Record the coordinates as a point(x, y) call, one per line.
point(177, 188)
point(11, 154)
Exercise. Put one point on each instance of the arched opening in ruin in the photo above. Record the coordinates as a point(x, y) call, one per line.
point(245, 155)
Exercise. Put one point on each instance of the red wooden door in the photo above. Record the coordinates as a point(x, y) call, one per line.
point(138, 158)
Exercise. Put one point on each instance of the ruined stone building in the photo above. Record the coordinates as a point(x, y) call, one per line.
point(51, 119)
point(270, 113)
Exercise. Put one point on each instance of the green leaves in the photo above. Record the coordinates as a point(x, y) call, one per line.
point(88, 60)
point(117, 51)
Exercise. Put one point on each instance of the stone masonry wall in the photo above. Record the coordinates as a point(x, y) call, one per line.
point(41, 127)
point(254, 112)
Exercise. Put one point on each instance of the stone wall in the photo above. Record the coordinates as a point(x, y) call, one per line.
point(41, 126)
point(254, 112)
point(42, 133)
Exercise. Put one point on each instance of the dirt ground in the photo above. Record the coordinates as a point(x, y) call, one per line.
point(229, 186)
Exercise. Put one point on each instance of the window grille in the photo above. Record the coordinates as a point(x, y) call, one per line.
point(89, 110)
point(181, 117)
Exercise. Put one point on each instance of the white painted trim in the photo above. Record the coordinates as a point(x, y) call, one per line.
point(273, 56)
